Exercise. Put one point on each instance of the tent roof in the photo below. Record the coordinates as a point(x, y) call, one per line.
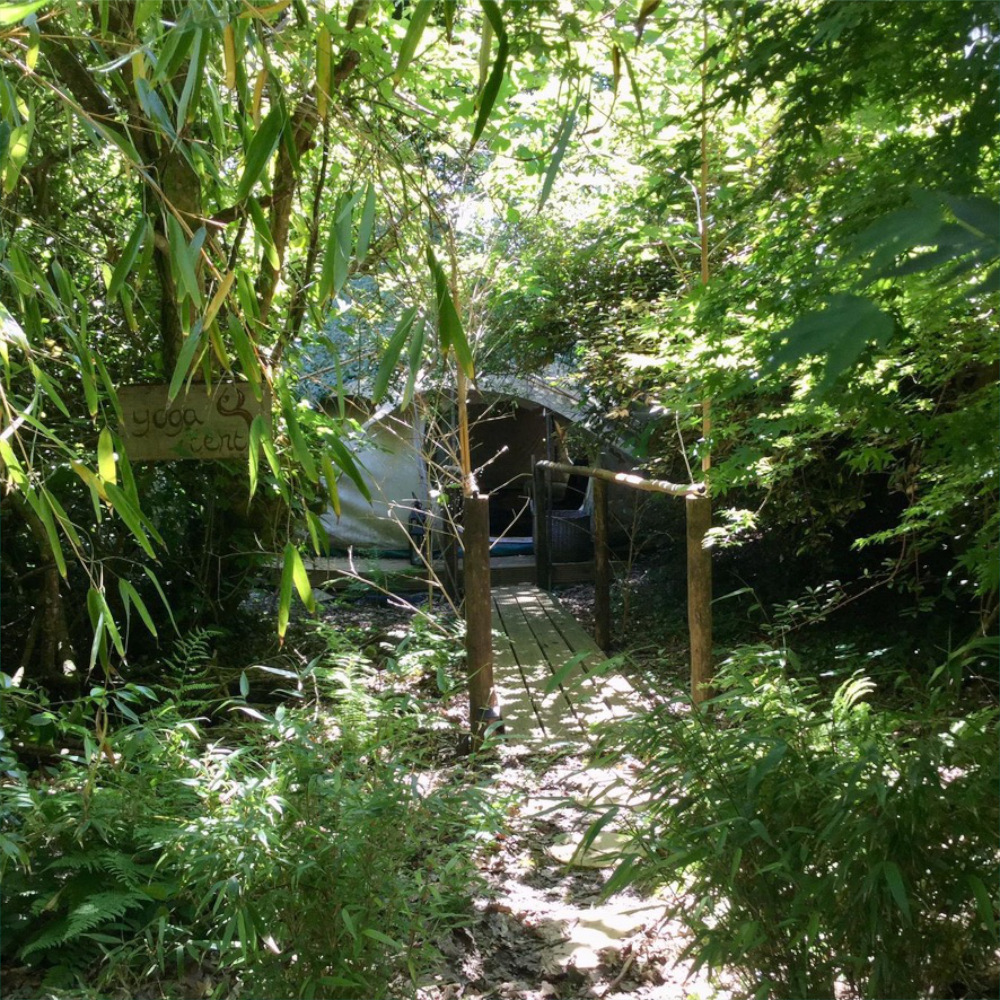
point(554, 394)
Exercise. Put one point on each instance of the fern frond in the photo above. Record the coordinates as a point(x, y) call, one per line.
point(96, 910)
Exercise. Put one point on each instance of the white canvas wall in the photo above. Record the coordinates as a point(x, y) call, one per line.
point(395, 474)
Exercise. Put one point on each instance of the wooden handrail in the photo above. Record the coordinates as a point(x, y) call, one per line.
point(695, 492)
point(627, 479)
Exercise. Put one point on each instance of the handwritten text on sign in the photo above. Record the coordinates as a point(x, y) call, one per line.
point(199, 425)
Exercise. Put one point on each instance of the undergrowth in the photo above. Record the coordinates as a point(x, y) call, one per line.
point(296, 850)
point(815, 839)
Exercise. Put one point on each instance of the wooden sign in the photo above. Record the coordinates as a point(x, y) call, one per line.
point(199, 425)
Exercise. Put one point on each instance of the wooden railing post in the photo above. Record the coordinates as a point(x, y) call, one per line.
point(543, 550)
point(478, 616)
point(699, 588)
point(602, 568)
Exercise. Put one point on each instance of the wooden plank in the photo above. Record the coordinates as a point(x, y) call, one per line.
point(615, 690)
point(534, 637)
point(520, 718)
point(554, 710)
point(576, 685)
point(554, 714)
point(594, 696)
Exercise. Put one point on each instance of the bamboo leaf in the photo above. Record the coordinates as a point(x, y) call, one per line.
point(338, 249)
point(894, 879)
point(559, 677)
point(382, 938)
point(345, 460)
point(104, 615)
point(151, 103)
point(317, 534)
point(263, 231)
point(485, 48)
point(489, 92)
point(285, 591)
point(182, 260)
point(265, 11)
point(324, 74)
point(449, 6)
point(258, 95)
point(299, 447)
point(129, 593)
point(262, 146)
point(62, 517)
point(301, 579)
point(229, 56)
point(415, 359)
point(633, 83)
point(220, 296)
point(34, 38)
point(192, 82)
point(450, 330)
point(106, 456)
point(99, 645)
point(330, 478)
point(565, 132)
point(342, 250)
point(391, 353)
point(184, 361)
point(130, 515)
point(984, 904)
point(418, 21)
point(95, 484)
point(41, 508)
point(163, 597)
point(366, 225)
point(257, 429)
point(249, 361)
point(648, 8)
point(12, 13)
point(128, 257)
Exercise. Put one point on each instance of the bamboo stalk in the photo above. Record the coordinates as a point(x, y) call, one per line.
point(698, 512)
point(478, 617)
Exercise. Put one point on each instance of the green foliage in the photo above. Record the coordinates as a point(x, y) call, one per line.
point(294, 851)
point(817, 837)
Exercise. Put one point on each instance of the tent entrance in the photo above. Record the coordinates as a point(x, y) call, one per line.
point(505, 437)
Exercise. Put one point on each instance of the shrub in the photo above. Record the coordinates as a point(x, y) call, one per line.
point(817, 838)
point(291, 852)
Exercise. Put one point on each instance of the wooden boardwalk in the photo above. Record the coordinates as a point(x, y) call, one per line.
point(547, 670)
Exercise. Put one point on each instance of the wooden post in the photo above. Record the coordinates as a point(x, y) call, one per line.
point(543, 551)
point(699, 586)
point(602, 568)
point(478, 617)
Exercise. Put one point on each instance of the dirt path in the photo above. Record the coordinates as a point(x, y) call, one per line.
point(547, 931)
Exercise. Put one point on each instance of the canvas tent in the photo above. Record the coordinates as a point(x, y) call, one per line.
point(514, 419)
